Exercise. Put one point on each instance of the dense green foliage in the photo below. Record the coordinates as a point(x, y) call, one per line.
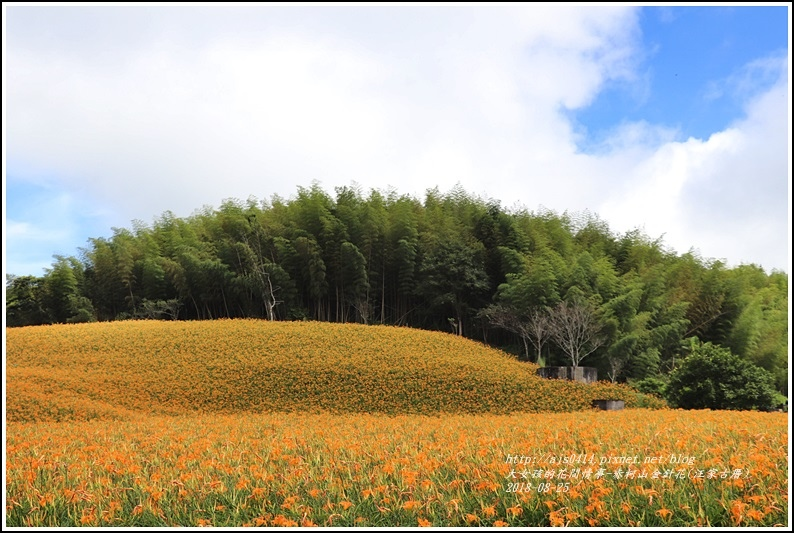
point(713, 378)
point(655, 385)
point(452, 262)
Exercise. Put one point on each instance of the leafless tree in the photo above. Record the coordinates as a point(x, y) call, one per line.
point(268, 292)
point(362, 306)
point(576, 330)
point(534, 328)
point(539, 328)
point(616, 365)
point(255, 258)
point(157, 309)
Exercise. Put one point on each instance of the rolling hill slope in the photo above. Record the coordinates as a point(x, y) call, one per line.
point(111, 370)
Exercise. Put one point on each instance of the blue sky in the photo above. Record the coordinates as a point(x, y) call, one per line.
point(676, 120)
point(693, 69)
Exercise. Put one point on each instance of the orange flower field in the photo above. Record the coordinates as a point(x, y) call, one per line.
point(358, 469)
point(249, 423)
point(108, 370)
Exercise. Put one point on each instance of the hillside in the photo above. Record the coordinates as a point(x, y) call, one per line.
point(449, 260)
point(111, 370)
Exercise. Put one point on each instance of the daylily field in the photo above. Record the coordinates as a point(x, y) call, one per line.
point(254, 423)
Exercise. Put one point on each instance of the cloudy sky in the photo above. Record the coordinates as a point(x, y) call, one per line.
point(676, 120)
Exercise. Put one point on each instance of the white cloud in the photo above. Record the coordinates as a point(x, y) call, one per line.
point(25, 231)
point(172, 128)
point(726, 196)
point(750, 80)
point(203, 105)
point(27, 239)
point(45, 222)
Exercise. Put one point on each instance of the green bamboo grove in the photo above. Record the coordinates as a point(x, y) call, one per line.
point(452, 262)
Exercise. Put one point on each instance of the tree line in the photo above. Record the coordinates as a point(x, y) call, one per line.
point(453, 262)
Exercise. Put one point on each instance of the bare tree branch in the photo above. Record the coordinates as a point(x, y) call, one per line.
point(535, 327)
point(616, 365)
point(576, 330)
